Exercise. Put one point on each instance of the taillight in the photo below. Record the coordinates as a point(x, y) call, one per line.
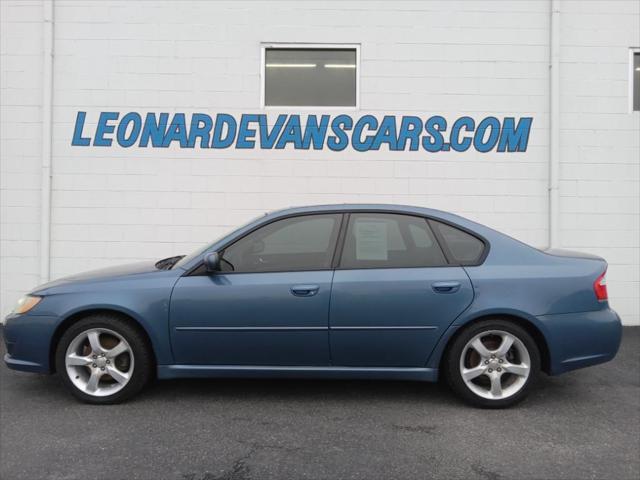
point(600, 287)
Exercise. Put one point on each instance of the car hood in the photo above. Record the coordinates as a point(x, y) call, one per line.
point(101, 275)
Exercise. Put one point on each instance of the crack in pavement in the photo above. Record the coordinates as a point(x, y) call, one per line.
point(428, 429)
point(238, 471)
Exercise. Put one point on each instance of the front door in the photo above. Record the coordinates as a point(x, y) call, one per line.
point(394, 293)
point(269, 304)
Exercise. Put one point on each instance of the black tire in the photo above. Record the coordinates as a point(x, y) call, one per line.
point(143, 367)
point(451, 364)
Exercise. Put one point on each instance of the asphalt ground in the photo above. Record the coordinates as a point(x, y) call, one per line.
point(581, 425)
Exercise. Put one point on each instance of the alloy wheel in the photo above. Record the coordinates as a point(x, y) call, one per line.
point(99, 362)
point(495, 364)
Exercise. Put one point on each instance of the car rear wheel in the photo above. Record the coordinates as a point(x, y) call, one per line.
point(493, 364)
point(102, 359)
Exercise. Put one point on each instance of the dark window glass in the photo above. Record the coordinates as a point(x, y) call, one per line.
point(297, 243)
point(463, 247)
point(377, 240)
point(636, 81)
point(313, 77)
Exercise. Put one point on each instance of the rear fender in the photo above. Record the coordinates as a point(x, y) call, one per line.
point(472, 317)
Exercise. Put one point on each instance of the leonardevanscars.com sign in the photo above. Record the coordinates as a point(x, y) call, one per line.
point(302, 132)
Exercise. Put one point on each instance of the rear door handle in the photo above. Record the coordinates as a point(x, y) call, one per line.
point(304, 290)
point(445, 287)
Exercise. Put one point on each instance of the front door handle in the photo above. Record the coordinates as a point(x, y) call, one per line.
point(446, 287)
point(304, 290)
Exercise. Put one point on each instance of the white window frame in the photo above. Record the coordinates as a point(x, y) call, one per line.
point(632, 51)
point(307, 46)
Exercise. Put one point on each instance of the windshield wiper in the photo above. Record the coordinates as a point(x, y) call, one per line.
point(168, 263)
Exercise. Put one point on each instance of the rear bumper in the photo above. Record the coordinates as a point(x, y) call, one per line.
point(578, 340)
point(28, 341)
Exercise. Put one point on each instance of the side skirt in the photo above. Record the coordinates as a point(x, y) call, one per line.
point(250, 371)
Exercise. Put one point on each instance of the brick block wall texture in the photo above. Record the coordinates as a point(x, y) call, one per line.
point(115, 205)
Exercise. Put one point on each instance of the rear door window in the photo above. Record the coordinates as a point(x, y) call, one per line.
point(378, 240)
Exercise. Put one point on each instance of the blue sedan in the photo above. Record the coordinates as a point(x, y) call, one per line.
point(337, 291)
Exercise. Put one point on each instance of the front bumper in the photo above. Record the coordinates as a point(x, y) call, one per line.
point(28, 342)
point(578, 340)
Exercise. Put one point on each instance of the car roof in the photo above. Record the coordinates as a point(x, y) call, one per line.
point(351, 207)
point(368, 207)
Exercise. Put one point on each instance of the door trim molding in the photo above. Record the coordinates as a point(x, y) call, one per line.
point(384, 327)
point(242, 329)
point(293, 328)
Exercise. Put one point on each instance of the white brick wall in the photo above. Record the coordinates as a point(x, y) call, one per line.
point(113, 205)
point(20, 147)
point(600, 143)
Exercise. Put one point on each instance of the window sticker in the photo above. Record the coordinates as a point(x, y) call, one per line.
point(371, 240)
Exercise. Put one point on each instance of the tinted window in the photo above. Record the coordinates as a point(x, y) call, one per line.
point(636, 81)
point(388, 240)
point(310, 77)
point(298, 243)
point(463, 247)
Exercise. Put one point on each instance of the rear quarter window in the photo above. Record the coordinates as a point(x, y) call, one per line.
point(462, 247)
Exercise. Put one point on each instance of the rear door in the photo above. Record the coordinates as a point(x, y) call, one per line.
point(393, 294)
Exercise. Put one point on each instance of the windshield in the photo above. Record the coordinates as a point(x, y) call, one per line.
point(188, 258)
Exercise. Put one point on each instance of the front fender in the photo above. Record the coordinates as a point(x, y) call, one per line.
point(154, 324)
point(143, 298)
point(31, 338)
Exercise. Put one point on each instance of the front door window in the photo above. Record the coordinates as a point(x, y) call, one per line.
point(292, 244)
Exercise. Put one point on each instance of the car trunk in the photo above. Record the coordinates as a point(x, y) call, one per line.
point(558, 252)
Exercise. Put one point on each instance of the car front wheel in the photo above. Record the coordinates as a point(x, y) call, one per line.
point(493, 364)
point(102, 359)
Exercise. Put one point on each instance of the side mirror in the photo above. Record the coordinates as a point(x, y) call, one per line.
point(212, 262)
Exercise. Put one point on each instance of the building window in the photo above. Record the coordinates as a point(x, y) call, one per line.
point(634, 79)
point(310, 76)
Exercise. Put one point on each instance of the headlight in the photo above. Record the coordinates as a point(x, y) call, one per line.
point(26, 303)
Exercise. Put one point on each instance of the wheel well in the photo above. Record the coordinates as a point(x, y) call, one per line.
point(530, 328)
point(67, 322)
